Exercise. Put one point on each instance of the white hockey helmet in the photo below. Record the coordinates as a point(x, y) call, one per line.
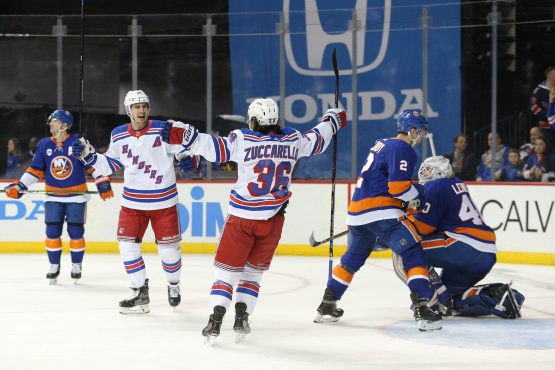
point(265, 111)
point(134, 97)
point(436, 167)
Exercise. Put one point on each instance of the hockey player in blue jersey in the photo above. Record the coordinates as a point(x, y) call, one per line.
point(457, 240)
point(377, 211)
point(66, 198)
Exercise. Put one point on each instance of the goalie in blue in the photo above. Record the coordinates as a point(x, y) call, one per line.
point(457, 240)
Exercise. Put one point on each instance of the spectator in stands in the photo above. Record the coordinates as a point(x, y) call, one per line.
point(527, 149)
point(463, 162)
point(513, 170)
point(540, 98)
point(14, 166)
point(541, 162)
point(501, 159)
point(32, 146)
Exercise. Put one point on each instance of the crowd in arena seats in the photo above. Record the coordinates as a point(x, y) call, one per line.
point(532, 161)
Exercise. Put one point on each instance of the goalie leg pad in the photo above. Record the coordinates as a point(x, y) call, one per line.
point(495, 299)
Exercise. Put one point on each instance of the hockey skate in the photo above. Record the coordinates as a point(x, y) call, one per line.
point(241, 326)
point(212, 330)
point(53, 274)
point(328, 311)
point(137, 302)
point(426, 317)
point(76, 272)
point(174, 294)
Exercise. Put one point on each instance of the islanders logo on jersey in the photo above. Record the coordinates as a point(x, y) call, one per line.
point(61, 167)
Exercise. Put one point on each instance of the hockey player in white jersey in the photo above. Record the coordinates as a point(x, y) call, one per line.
point(149, 194)
point(266, 155)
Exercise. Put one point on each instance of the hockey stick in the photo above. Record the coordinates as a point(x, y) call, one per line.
point(334, 163)
point(82, 72)
point(314, 243)
point(57, 192)
point(432, 146)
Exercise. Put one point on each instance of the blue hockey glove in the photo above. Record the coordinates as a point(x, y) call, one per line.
point(84, 151)
point(15, 190)
point(104, 187)
point(189, 163)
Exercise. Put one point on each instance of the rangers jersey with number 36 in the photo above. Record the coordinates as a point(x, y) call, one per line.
point(149, 177)
point(265, 164)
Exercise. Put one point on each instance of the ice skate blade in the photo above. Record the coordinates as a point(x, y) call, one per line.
point(209, 340)
point(240, 336)
point(137, 310)
point(53, 281)
point(75, 281)
point(425, 325)
point(322, 319)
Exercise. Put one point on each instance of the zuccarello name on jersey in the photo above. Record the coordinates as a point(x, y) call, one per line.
point(271, 151)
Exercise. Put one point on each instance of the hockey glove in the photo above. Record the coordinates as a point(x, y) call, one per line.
point(337, 117)
point(84, 151)
point(15, 190)
point(104, 187)
point(189, 163)
point(175, 132)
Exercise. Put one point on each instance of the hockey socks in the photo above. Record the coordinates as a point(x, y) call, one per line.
point(170, 254)
point(418, 282)
point(54, 250)
point(133, 263)
point(340, 280)
point(220, 295)
point(77, 250)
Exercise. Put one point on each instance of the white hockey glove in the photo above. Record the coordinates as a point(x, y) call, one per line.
point(337, 117)
point(175, 132)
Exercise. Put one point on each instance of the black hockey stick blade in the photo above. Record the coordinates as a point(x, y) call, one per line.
point(314, 243)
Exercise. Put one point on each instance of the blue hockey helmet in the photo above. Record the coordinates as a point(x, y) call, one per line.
point(62, 116)
point(411, 118)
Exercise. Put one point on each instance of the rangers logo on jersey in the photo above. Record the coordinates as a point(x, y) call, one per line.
point(61, 167)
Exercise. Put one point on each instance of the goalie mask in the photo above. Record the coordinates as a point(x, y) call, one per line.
point(135, 97)
point(263, 112)
point(432, 168)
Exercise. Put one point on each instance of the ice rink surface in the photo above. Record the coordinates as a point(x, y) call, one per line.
point(78, 327)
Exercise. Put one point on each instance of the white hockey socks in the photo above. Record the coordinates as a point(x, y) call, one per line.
point(248, 287)
point(222, 288)
point(133, 262)
point(170, 254)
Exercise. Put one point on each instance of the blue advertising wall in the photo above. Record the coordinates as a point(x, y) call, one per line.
point(389, 67)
